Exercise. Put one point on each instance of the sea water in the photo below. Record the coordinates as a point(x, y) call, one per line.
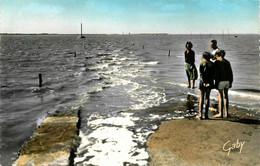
point(114, 80)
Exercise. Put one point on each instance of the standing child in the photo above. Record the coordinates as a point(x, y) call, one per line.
point(190, 67)
point(224, 80)
point(206, 84)
point(214, 48)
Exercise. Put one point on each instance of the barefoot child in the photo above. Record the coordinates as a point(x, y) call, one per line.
point(190, 67)
point(224, 80)
point(206, 84)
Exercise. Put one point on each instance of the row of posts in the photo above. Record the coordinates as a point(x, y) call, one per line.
point(75, 55)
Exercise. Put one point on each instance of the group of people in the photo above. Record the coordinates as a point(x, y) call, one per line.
point(215, 73)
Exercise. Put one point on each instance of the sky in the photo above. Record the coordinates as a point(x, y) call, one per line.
point(129, 16)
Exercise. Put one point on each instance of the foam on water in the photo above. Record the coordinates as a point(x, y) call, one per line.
point(125, 120)
point(247, 95)
point(116, 140)
point(147, 96)
point(177, 84)
point(149, 63)
point(122, 72)
point(111, 142)
point(40, 120)
point(113, 147)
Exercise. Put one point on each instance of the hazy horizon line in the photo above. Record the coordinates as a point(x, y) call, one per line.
point(144, 33)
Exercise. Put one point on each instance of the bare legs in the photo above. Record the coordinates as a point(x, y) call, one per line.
point(201, 103)
point(220, 104)
point(226, 103)
point(193, 84)
point(223, 103)
point(190, 83)
point(188, 76)
point(203, 93)
point(207, 103)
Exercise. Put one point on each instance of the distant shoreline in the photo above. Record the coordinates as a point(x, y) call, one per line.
point(159, 34)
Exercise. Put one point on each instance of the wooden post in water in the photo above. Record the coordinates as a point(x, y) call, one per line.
point(75, 54)
point(81, 36)
point(40, 80)
point(143, 47)
point(169, 54)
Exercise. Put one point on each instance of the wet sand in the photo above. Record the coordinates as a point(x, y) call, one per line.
point(233, 141)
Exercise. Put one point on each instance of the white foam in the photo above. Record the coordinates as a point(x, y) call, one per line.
point(40, 120)
point(147, 96)
point(177, 84)
point(164, 117)
point(143, 95)
point(245, 95)
point(113, 144)
point(149, 63)
point(124, 121)
point(97, 88)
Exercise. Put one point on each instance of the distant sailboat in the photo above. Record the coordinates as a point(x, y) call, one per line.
point(81, 36)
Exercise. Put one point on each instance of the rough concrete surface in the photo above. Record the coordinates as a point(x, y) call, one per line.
point(209, 142)
point(53, 143)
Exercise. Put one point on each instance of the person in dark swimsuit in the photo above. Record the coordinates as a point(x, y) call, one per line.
point(190, 67)
point(207, 72)
point(224, 80)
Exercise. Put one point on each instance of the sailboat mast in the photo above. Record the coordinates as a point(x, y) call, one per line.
point(81, 29)
point(81, 36)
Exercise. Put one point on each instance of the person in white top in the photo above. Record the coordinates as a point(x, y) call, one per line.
point(214, 48)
